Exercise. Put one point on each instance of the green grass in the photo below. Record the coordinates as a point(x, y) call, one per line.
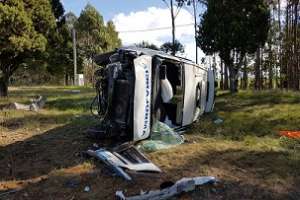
point(62, 107)
point(253, 114)
point(40, 151)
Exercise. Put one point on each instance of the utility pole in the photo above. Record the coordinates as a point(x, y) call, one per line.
point(173, 28)
point(195, 25)
point(74, 55)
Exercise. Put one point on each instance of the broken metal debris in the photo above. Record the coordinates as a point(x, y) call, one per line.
point(183, 185)
point(87, 188)
point(36, 104)
point(126, 158)
point(218, 121)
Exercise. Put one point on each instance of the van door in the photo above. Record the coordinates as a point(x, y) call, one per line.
point(189, 94)
point(142, 97)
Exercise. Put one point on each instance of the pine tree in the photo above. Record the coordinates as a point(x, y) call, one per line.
point(24, 28)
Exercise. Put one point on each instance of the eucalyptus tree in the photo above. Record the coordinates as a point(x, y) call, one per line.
point(233, 28)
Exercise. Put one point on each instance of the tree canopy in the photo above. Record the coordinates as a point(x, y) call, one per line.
point(36, 35)
point(233, 28)
point(113, 37)
point(24, 28)
point(145, 44)
point(168, 47)
point(91, 32)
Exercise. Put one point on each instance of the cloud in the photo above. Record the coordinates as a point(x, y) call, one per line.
point(153, 18)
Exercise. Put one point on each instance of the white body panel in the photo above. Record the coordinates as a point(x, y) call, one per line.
point(189, 95)
point(201, 80)
point(142, 98)
point(194, 77)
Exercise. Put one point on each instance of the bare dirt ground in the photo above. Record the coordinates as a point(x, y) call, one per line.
point(41, 153)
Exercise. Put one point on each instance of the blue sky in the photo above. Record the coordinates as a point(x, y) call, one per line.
point(109, 8)
point(129, 15)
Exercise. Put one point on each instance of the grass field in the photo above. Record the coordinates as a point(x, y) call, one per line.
point(40, 153)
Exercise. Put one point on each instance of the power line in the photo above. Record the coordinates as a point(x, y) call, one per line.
point(155, 29)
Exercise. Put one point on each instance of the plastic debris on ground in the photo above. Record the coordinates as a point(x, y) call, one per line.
point(183, 185)
point(162, 137)
point(126, 158)
point(87, 188)
point(218, 121)
point(290, 134)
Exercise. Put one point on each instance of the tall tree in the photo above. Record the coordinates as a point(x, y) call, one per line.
point(60, 54)
point(91, 31)
point(170, 47)
point(244, 82)
point(222, 75)
point(24, 28)
point(290, 67)
point(258, 70)
point(233, 28)
point(174, 11)
point(113, 37)
point(57, 9)
point(194, 4)
point(94, 37)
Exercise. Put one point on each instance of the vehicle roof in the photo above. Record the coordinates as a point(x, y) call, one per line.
point(149, 52)
point(152, 52)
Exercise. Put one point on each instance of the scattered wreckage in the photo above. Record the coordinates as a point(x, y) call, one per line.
point(35, 105)
point(124, 158)
point(139, 88)
point(183, 185)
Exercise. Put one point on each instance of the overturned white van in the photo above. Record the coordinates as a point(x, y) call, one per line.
point(137, 87)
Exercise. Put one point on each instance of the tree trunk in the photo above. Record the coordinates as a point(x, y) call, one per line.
point(222, 76)
point(245, 76)
point(257, 72)
point(3, 86)
point(280, 82)
point(270, 78)
point(66, 78)
point(295, 53)
point(233, 80)
point(271, 62)
point(173, 28)
point(226, 85)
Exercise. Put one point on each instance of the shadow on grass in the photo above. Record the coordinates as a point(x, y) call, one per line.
point(36, 120)
point(40, 154)
point(244, 174)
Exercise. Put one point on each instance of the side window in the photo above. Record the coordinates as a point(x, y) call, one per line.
point(199, 94)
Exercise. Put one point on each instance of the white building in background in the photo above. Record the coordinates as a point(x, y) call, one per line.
point(79, 80)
